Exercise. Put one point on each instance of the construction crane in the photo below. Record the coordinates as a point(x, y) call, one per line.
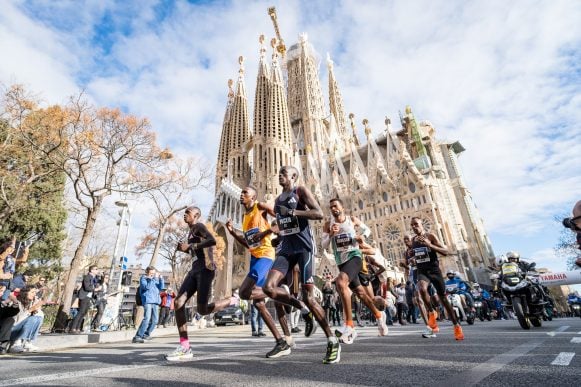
point(281, 48)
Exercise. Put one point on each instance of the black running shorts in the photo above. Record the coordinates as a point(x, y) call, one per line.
point(433, 276)
point(198, 280)
point(285, 263)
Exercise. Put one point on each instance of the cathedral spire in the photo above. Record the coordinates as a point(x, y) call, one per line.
point(239, 131)
point(336, 105)
point(224, 150)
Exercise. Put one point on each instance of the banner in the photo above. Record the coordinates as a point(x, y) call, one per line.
point(562, 278)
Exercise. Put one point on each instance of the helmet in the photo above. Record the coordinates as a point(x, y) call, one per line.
point(476, 285)
point(450, 272)
point(513, 255)
point(500, 260)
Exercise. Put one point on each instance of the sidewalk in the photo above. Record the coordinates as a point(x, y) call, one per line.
point(56, 341)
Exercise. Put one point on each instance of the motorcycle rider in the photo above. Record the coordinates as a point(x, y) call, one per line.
point(463, 287)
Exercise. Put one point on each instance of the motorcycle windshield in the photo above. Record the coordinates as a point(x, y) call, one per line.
point(509, 269)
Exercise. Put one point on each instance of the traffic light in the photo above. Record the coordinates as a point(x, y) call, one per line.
point(126, 278)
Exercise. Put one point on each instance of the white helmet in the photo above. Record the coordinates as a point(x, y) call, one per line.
point(500, 260)
point(513, 255)
point(451, 272)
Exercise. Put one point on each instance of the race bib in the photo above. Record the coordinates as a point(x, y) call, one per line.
point(343, 242)
point(421, 255)
point(252, 237)
point(288, 225)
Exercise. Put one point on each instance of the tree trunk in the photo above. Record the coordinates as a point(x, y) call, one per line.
point(158, 241)
point(76, 266)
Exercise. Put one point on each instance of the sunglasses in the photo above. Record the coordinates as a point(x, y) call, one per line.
point(570, 223)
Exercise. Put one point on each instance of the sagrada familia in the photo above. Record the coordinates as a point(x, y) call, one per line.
point(383, 180)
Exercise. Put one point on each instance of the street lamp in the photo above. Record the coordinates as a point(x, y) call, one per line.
point(121, 222)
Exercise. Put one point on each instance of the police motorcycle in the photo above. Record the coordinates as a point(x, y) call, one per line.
point(453, 293)
point(574, 302)
point(481, 305)
point(520, 287)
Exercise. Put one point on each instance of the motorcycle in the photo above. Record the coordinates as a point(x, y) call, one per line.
point(462, 314)
point(482, 309)
point(521, 289)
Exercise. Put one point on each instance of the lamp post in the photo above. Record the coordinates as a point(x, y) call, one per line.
point(121, 222)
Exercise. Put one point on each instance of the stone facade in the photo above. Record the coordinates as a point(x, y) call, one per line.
point(384, 180)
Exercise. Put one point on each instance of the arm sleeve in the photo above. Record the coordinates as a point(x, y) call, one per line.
point(207, 239)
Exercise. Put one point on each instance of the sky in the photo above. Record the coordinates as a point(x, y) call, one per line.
point(503, 78)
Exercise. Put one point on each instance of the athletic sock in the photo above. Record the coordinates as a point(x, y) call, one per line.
point(185, 342)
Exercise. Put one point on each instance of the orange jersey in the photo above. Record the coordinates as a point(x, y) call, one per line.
point(252, 224)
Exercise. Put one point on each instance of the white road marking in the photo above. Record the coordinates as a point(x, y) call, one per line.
point(558, 330)
point(563, 359)
point(576, 340)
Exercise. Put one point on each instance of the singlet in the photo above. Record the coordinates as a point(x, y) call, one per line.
point(252, 224)
point(295, 232)
point(201, 258)
point(344, 244)
point(426, 258)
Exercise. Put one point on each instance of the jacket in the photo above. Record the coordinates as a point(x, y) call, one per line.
point(88, 287)
point(164, 296)
point(150, 288)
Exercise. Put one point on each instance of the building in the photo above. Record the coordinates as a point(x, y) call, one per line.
point(384, 180)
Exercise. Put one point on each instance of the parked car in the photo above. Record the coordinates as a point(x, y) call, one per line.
point(230, 315)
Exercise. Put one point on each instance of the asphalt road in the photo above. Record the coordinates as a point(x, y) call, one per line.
point(493, 353)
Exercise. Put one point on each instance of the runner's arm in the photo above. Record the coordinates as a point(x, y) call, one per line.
point(326, 239)
point(207, 239)
point(314, 211)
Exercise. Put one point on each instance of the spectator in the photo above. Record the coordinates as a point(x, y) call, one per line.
point(150, 286)
point(100, 298)
point(20, 281)
point(8, 269)
point(28, 321)
point(75, 302)
point(41, 287)
point(409, 297)
point(401, 303)
point(167, 305)
point(256, 322)
point(88, 286)
point(9, 308)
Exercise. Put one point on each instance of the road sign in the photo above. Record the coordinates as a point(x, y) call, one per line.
point(123, 263)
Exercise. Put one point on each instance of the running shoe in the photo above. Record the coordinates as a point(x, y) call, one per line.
point(432, 317)
point(346, 334)
point(428, 333)
point(458, 334)
point(382, 326)
point(310, 326)
point(180, 353)
point(333, 353)
point(29, 347)
point(280, 349)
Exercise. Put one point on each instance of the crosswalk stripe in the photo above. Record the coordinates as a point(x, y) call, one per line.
point(576, 340)
point(563, 359)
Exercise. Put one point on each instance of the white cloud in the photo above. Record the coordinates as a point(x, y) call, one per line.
point(501, 77)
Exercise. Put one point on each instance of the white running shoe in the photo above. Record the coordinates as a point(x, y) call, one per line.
point(382, 326)
point(346, 334)
point(180, 353)
point(428, 333)
point(29, 347)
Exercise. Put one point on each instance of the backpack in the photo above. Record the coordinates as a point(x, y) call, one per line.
point(138, 297)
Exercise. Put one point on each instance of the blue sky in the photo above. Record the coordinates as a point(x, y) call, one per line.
point(501, 77)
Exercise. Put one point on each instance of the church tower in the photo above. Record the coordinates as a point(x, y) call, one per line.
point(239, 127)
point(305, 102)
point(272, 140)
point(338, 128)
point(224, 150)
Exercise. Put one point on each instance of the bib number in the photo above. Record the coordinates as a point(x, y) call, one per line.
point(288, 225)
point(343, 242)
point(252, 237)
point(421, 255)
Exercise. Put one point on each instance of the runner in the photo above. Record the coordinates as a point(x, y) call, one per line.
point(294, 207)
point(339, 231)
point(409, 264)
point(426, 248)
point(256, 238)
point(199, 280)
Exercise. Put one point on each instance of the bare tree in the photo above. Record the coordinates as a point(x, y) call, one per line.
point(100, 151)
point(184, 178)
